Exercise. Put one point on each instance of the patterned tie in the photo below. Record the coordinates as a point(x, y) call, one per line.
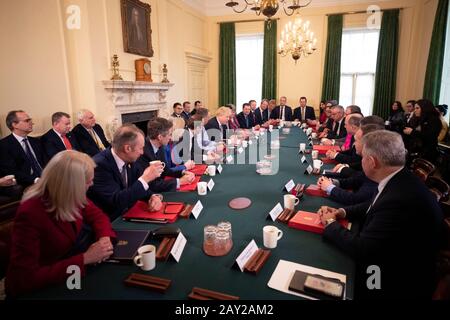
point(124, 175)
point(66, 141)
point(35, 166)
point(97, 142)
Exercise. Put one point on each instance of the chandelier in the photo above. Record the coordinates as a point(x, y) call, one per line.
point(269, 7)
point(297, 39)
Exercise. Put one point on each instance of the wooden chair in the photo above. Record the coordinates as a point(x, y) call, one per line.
point(422, 168)
point(439, 187)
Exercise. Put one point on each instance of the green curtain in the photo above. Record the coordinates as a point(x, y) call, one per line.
point(269, 82)
point(227, 64)
point(386, 73)
point(433, 76)
point(332, 71)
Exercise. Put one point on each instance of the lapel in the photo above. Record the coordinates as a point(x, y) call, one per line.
point(58, 140)
point(19, 147)
point(109, 157)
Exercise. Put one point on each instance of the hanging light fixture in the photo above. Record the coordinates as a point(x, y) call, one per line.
point(297, 39)
point(268, 7)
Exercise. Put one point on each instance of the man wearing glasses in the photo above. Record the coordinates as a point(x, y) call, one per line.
point(21, 155)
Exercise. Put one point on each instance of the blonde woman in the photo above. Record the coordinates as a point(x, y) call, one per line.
point(49, 233)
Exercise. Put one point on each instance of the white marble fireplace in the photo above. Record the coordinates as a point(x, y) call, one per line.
point(135, 100)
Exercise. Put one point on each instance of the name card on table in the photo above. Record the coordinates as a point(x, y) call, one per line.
point(303, 160)
point(275, 212)
point(211, 184)
point(250, 142)
point(178, 247)
point(290, 185)
point(240, 150)
point(248, 252)
point(308, 170)
point(197, 209)
point(219, 169)
point(230, 159)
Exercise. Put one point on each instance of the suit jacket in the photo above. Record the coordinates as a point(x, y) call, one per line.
point(276, 113)
point(109, 191)
point(333, 134)
point(42, 246)
point(186, 116)
point(261, 117)
point(400, 233)
point(159, 183)
point(243, 124)
point(362, 189)
point(85, 140)
point(53, 144)
point(214, 124)
point(13, 159)
point(309, 114)
point(348, 156)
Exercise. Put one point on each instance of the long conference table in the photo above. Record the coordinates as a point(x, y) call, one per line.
point(195, 268)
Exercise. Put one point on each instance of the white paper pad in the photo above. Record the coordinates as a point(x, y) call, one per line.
point(285, 270)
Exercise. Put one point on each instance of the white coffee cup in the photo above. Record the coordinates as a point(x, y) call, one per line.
point(212, 170)
point(304, 125)
point(302, 146)
point(202, 188)
point(315, 154)
point(275, 144)
point(145, 257)
point(286, 130)
point(157, 162)
point(270, 127)
point(290, 201)
point(314, 135)
point(281, 123)
point(271, 235)
point(317, 164)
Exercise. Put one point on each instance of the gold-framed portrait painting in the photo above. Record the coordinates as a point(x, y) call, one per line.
point(136, 27)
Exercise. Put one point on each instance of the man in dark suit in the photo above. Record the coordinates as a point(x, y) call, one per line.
point(337, 127)
point(246, 121)
point(349, 155)
point(197, 105)
point(186, 114)
point(119, 182)
point(21, 155)
point(217, 127)
point(261, 113)
point(304, 112)
point(59, 137)
point(159, 133)
point(282, 112)
point(177, 110)
point(89, 135)
point(392, 261)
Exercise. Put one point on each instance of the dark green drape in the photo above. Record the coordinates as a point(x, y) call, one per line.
point(332, 71)
point(386, 73)
point(227, 64)
point(433, 76)
point(269, 82)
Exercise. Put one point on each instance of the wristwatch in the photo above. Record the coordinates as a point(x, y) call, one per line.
point(330, 221)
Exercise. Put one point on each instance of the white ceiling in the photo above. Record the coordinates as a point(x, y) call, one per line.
point(218, 8)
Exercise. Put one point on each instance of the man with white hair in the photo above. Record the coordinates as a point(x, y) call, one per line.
point(400, 227)
point(89, 134)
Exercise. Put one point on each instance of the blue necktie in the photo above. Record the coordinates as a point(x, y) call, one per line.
point(35, 166)
point(246, 122)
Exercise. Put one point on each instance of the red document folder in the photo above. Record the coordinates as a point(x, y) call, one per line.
point(309, 221)
point(190, 187)
point(199, 169)
point(314, 190)
point(168, 213)
point(324, 149)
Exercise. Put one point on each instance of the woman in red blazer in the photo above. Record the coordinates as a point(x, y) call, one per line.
point(49, 223)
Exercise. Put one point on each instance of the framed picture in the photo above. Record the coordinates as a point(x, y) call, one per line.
point(136, 27)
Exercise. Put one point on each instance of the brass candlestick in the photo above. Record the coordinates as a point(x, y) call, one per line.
point(115, 64)
point(164, 70)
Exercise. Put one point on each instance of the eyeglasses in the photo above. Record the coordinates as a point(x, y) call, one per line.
point(26, 120)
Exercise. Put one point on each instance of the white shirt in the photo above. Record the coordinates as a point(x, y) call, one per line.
point(120, 163)
point(383, 184)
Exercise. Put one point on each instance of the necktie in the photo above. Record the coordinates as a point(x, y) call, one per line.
point(35, 166)
point(66, 141)
point(124, 175)
point(98, 143)
point(246, 122)
point(303, 114)
point(281, 112)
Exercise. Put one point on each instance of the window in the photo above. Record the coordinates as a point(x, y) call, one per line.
point(249, 66)
point(445, 86)
point(358, 66)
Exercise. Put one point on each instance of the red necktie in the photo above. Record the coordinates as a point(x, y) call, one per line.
point(66, 142)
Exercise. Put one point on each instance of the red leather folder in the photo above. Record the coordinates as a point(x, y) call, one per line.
point(167, 214)
point(190, 187)
point(314, 190)
point(309, 221)
point(324, 149)
point(199, 169)
point(328, 161)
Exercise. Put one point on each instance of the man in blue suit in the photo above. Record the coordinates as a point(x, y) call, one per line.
point(119, 182)
point(245, 118)
point(282, 112)
point(304, 112)
point(21, 155)
point(59, 137)
point(89, 134)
